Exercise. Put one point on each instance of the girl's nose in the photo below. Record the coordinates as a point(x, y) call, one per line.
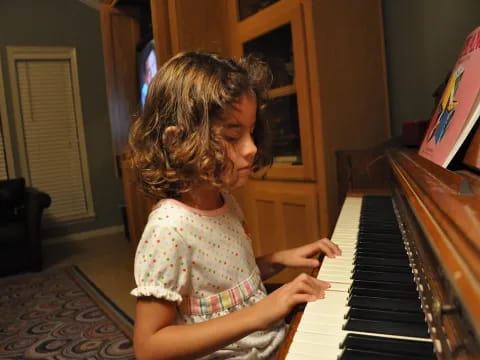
point(250, 149)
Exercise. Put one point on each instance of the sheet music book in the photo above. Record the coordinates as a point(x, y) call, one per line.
point(458, 108)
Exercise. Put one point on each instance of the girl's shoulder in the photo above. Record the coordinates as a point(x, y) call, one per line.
point(167, 210)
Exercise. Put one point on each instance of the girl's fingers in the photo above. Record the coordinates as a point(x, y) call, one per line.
point(311, 285)
point(306, 289)
point(336, 249)
point(302, 298)
point(339, 251)
point(329, 248)
point(324, 284)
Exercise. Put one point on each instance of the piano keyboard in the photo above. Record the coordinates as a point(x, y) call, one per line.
point(372, 310)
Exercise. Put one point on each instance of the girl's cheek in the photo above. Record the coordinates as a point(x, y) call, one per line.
point(231, 152)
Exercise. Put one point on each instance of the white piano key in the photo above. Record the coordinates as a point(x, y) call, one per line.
point(338, 287)
point(308, 337)
point(332, 302)
point(337, 267)
point(334, 265)
point(320, 332)
point(322, 350)
point(344, 274)
point(337, 279)
point(294, 356)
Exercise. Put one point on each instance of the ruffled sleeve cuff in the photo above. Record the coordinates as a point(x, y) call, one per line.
point(158, 292)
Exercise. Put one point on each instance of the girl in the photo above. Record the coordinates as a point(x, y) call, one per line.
point(199, 286)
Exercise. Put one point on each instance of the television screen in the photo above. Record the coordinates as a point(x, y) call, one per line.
point(147, 68)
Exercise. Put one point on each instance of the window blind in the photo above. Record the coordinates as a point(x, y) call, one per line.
point(51, 136)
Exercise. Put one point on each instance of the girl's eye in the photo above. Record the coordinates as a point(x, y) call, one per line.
point(231, 139)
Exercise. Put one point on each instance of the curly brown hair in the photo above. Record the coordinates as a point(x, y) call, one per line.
point(191, 92)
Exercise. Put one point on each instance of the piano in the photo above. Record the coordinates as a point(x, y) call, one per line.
point(407, 285)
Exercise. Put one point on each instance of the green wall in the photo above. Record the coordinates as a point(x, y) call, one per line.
point(74, 24)
point(423, 39)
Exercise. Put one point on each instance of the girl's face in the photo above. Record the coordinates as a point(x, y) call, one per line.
point(238, 125)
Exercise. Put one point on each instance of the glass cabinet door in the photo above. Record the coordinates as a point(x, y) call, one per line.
point(276, 34)
point(247, 8)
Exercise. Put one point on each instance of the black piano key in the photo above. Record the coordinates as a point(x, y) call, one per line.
point(383, 293)
point(373, 234)
point(369, 302)
point(400, 277)
point(389, 247)
point(384, 268)
point(381, 228)
point(365, 242)
point(379, 241)
point(380, 213)
point(375, 222)
point(385, 285)
point(387, 315)
point(386, 327)
point(367, 260)
point(419, 349)
point(385, 223)
point(382, 254)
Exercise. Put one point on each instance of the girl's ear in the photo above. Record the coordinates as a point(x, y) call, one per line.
point(170, 137)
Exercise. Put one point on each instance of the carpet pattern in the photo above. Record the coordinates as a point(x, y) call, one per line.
point(59, 314)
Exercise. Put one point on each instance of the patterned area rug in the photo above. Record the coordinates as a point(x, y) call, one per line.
point(59, 314)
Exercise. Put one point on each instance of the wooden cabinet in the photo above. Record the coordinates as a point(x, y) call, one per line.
point(329, 94)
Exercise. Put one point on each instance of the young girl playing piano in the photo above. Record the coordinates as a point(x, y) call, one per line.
point(199, 286)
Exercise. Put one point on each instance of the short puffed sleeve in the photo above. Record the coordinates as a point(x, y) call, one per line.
point(162, 263)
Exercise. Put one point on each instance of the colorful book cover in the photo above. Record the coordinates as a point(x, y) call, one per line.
point(458, 108)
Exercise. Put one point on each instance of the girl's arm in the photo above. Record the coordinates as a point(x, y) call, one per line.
point(273, 263)
point(157, 337)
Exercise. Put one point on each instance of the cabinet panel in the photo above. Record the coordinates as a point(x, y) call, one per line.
point(198, 25)
point(297, 225)
point(281, 215)
point(266, 226)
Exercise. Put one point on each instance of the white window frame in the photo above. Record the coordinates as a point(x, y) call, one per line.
point(16, 53)
point(7, 141)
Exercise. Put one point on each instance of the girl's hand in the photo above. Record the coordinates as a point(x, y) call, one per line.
point(300, 256)
point(279, 303)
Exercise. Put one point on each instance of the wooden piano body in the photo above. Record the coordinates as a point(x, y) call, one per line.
point(439, 216)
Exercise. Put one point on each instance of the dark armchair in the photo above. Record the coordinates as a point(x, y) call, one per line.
point(21, 210)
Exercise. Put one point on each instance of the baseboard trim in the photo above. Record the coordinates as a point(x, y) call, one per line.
point(83, 235)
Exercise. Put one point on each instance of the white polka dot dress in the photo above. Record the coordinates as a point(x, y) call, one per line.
point(203, 261)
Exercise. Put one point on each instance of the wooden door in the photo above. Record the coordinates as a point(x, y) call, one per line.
point(281, 215)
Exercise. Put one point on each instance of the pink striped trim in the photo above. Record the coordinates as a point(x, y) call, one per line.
point(223, 300)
